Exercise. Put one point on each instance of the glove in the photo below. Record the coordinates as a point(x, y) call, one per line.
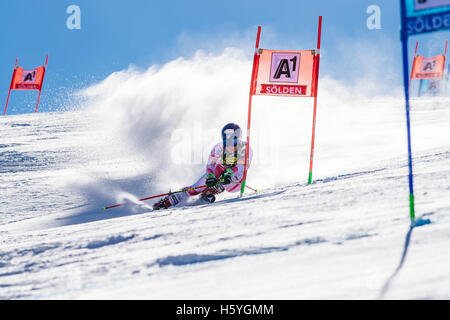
point(227, 176)
point(211, 181)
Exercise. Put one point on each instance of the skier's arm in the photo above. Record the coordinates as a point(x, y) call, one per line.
point(214, 158)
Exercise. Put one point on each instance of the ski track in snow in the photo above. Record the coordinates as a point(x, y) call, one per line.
point(340, 238)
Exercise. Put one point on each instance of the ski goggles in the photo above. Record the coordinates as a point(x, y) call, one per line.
point(231, 142)
point(230, 138)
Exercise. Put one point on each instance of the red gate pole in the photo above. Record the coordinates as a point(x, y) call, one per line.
point(445, 60)
point(249, 116)
point(40, 88)
point(38, 99)
point(10, 87)
point(7, 101)
point(413, 65)
point(316, 89)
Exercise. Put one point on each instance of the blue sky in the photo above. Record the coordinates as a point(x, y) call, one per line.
point(115, 34)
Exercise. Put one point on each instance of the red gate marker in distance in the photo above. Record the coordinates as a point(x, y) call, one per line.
point(21, 82)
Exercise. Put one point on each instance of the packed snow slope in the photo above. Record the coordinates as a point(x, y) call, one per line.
point(343, 237)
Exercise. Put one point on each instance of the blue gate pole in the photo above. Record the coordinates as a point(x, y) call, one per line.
point(404, 39)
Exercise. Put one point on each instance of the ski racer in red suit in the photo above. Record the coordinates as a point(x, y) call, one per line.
point(224, 171)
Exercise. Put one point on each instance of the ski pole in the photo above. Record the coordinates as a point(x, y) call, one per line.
point(163, 195)
point(153, 197)
point(251, 188)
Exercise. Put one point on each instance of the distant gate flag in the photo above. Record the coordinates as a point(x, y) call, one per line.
point(27, 80)
point(418, 17)
point(285, 74)
point(430, 87)
point(428, 68)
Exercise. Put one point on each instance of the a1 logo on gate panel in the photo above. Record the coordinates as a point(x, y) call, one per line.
point(285, 67)
point(29, 76)
point(428, 65)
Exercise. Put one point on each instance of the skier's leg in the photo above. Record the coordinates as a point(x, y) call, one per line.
point(209, 195)
point(194, 192)
point(174, 199)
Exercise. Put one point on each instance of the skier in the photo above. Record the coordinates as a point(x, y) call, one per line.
point(224, 171)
